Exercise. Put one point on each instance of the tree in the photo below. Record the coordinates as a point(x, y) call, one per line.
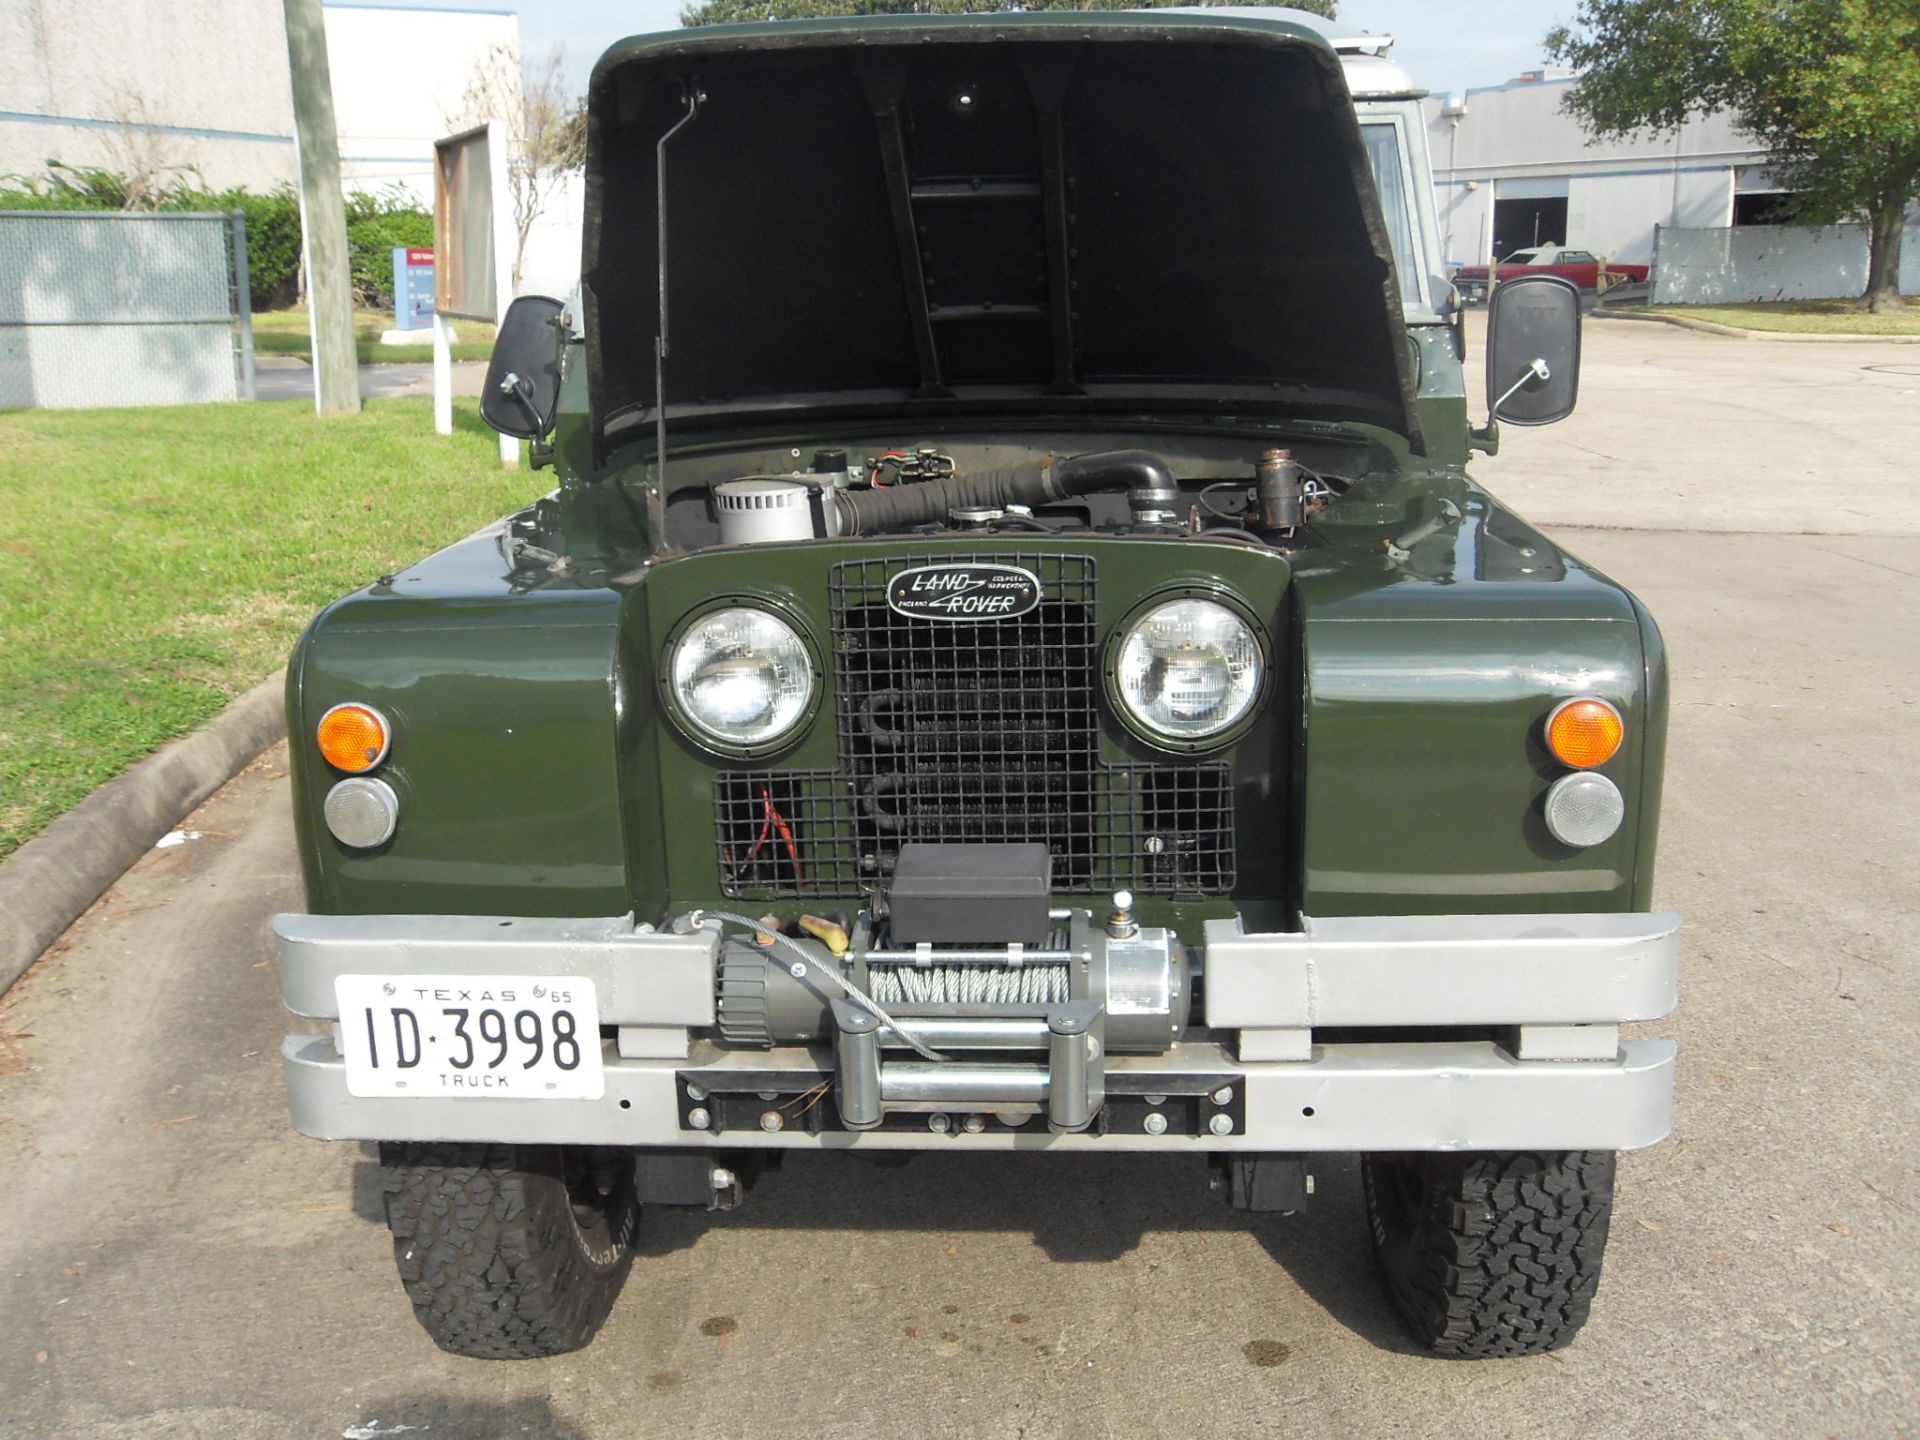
point(146, 158)
point(1830, 87)
point(546, 129)
point(719, 12)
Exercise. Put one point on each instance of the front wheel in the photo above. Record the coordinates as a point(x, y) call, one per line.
point(1491, 1254)
point(510, 1253)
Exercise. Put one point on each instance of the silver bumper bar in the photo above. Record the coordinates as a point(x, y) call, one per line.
point(1440, 1096)
point(1539, 1061)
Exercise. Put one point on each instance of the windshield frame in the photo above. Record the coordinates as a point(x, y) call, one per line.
point(1416, 179)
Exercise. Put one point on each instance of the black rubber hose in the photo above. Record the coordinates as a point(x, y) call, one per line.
point(868, 512)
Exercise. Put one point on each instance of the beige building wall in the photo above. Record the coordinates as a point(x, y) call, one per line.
point(402, 78)
point(200, 87)
point(182, 85)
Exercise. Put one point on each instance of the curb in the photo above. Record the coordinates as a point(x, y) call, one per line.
point(49, 882)
point(1734, 332)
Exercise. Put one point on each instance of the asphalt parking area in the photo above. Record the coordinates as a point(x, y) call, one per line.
point(174, 1261)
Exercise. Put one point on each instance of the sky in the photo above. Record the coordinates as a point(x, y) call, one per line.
point(1448, 45)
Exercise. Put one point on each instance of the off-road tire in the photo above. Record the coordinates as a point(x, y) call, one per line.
point(509, 1253)
point(1490, 1254)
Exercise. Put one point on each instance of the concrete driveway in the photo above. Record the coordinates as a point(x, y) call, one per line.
point(175, 1262)
point(1679, 430)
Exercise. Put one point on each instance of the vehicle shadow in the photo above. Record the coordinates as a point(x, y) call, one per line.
point(447, 1418)
point(468, 422)
point(1079, 1210)
point(369, 1188)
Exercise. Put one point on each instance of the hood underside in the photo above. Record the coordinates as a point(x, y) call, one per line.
point(961, 216)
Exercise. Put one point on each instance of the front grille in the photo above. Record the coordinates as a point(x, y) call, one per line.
point(972, 732)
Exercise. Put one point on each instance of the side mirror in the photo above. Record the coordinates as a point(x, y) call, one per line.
point(523, 378)
point(1533, 350)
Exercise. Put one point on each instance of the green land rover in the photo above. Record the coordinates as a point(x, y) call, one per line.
point(1012, 660)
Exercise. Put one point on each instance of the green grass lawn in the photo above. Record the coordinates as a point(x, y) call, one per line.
point(284, 332)
point(157, 563)
point(1803, 317)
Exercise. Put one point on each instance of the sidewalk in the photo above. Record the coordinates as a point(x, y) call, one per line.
point(283, 377)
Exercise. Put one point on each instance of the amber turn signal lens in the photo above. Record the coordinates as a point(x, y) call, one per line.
point(353, 738)
point(1584, 733)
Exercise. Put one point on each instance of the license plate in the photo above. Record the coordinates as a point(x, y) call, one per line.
point(499, 1037)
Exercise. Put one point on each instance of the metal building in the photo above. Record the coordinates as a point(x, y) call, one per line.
point(1512, 170)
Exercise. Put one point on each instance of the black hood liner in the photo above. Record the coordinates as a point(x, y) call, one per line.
point(1159, 217)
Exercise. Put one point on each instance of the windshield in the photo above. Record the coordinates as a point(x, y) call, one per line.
point(1389, 178)
point(1395, 140)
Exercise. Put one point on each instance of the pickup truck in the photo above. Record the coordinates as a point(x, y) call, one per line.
point(1585, 269)
point(1017, 668)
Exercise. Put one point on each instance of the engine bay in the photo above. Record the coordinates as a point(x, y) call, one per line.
point(1245, 493)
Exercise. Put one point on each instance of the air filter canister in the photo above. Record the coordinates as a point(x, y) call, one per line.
point(755, 511)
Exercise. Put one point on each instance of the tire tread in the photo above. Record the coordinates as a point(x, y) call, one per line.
point(490, 1252)
point(1505, 1258)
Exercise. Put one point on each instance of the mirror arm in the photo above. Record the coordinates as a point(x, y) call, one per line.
point(521, 389)
point(1487, 439)
point(1538, 370)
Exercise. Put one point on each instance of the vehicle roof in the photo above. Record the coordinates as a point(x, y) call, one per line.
point(1363, 55)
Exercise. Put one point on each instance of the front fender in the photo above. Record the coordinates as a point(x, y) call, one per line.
point(1427, 681)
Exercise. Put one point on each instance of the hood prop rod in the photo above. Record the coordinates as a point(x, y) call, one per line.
point(657, 493)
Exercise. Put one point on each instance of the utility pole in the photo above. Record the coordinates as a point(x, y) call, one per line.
point(323, 213)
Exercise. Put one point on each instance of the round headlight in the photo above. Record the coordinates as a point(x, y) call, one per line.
point(1188, 669)
point(742, 676)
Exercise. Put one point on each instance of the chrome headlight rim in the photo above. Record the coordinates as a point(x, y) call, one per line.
point(1179, 744)
point(690, 727)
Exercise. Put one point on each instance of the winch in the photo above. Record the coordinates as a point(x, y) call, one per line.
point(1009, 1005)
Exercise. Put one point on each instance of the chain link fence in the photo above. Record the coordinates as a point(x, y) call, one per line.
point(112, 308)
point(1734, 265)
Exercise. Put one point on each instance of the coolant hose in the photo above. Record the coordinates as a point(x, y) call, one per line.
point(1144, 476)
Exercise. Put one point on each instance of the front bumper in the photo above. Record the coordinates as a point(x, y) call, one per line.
point(1479, 1033)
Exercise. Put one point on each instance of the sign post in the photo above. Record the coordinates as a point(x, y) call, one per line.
point(473, 269)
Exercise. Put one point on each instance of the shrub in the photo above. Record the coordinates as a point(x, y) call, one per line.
point(376, 224)
point(273, 242)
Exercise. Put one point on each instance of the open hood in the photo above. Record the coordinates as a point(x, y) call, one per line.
point(1120, 213)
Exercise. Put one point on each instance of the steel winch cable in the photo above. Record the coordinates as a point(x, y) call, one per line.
point(970, 985)
point(805, 964)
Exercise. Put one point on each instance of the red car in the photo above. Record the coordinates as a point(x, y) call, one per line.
point(1582, 267)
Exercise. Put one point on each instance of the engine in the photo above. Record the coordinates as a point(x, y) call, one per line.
point(898, 491)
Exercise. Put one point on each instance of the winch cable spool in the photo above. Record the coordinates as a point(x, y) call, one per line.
point(1145, 476)
point(805, 964)
point(970, 985)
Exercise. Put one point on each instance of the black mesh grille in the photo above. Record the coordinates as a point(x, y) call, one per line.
point(980, 731)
